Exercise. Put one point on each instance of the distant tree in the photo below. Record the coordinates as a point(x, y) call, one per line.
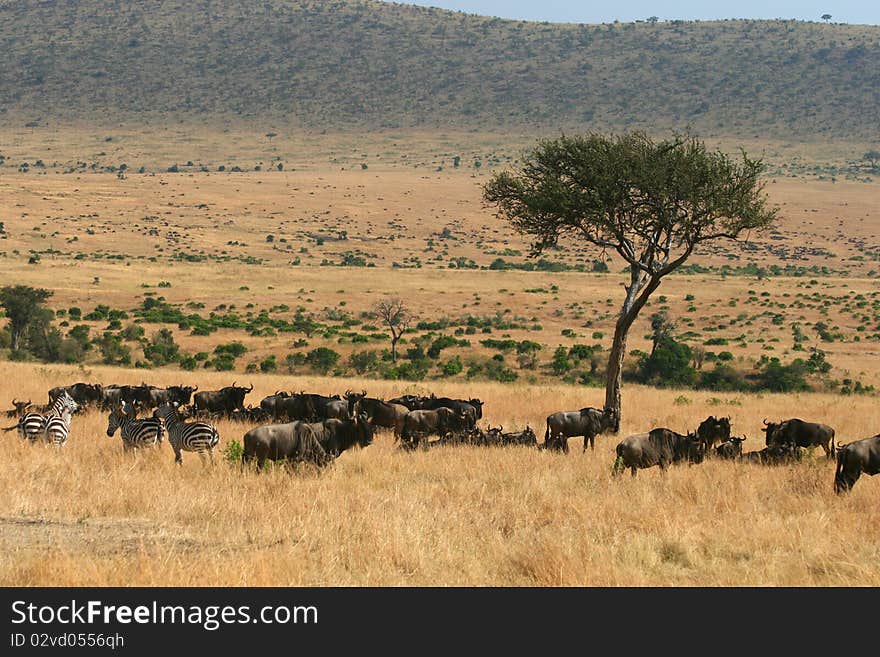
point(24, 307)
point(661, 329)
point(872, 156)
point(653, 19)
point(651, 202)
point(826, 17)
point(396, 315)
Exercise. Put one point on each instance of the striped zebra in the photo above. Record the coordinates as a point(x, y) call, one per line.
point(33, 426)
point(146, 432)
point(198, 437)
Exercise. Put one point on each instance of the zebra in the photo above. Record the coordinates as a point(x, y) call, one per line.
point(146, 432)
point(33, 426)
point(198, 437)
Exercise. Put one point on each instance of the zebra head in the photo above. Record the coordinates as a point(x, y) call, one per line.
point(117, 415)
point(65, 403)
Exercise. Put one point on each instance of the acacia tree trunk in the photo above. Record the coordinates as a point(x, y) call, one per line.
point(636, 298)
point(394, 338)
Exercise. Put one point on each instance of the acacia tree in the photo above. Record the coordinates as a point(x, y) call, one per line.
point(396, 315)
point(24, 308)
point(653, 203)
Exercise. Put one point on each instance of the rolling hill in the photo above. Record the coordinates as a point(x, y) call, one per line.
point(365, 65)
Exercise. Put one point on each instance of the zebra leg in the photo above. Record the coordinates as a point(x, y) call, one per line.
point(202, 458)
point(211, 454)
point(178, 459)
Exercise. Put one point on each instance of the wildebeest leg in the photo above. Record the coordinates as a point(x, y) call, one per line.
point(592, 440)
point(564, 440)
point(634, 470)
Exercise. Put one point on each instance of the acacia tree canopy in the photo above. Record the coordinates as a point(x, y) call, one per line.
point(651, 202)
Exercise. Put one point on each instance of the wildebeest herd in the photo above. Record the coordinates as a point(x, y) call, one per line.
point(306, 427)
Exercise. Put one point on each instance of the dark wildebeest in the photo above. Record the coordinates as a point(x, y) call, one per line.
point(327, 407)
point(658, 447)
point(270, 403)
point(181, 395)
point(587, 422)
point(439, 422)
point(855, 458)
point(776, 454)
point(293, 442)
point(84, 394)
point(318, 442)
point(251, 414)
point(496, 436)
point(384, 414)
point(800, 433)
point(712, 430)
point(472, 408)
point(295, 407)
point(20, 408)
point(223, 401)
point(730, 449)
point(525, 437)
point(411, 402)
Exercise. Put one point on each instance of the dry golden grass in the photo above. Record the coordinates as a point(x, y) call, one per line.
point(91, 515)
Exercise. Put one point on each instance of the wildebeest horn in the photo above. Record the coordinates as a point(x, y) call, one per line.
point(14, 402)
point(252, 386)
point(765, 422)
point(233, 384)
point(363, 393)
point(195, 388)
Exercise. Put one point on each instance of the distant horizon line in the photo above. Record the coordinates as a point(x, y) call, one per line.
point(626, 22)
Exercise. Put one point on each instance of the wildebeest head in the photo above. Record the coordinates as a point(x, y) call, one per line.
point(354, 399)
point(770, 429)
point(693, 449)
point(478, 407)
point(20, 408)
point(730, 448)
point(181, 394)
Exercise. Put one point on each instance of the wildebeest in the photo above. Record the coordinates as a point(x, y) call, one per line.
point(658, 447)
point(84, 394)
point(855, 458)
point(712, 430)
point(587, 422)
point(776, 454)
point(292, 442)
point(270, 402)
point(20, 409)
point(180, 395)
point(800, 433)
point(411, 402)
point(294, 407)
point(224, 400)
point(472, 408)
point(384, 414)
point(317, 442)
point(439, 422)
point(730, 449)
point(497, 436)
point(327, 407)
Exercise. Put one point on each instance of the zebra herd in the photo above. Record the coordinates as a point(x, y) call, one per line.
point(53, 428)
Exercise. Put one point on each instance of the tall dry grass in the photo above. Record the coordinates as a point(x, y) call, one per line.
point(91, 515)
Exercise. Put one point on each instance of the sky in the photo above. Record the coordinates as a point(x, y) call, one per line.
point(587, 11)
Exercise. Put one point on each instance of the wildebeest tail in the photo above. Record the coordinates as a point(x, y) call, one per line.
point(839, 471)
point(833, 451)
point(547, 433)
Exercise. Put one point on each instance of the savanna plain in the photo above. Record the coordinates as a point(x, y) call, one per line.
point(347, 221)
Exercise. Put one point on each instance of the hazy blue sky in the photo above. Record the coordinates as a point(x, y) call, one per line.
point(584, 11)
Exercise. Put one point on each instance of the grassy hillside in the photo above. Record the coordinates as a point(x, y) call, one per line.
point(364, 64)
